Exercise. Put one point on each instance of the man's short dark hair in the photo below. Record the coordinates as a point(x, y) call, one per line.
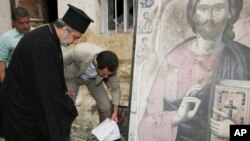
point(235, 7)
point(107, 59)
point(19, 12)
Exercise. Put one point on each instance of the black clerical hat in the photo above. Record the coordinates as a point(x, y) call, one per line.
point(77, 19)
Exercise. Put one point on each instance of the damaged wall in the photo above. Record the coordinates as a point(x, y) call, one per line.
point(5, 16)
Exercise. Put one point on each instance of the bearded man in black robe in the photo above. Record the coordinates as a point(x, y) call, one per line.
point(34, 96)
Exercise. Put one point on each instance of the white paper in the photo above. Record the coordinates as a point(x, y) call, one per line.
point(108, 130)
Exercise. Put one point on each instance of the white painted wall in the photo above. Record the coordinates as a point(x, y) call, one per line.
point(5, 17)
point(90, 7)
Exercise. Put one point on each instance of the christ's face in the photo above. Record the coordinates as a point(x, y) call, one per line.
point(211, 17)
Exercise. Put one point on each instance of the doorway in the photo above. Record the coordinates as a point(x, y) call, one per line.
point(41, 11)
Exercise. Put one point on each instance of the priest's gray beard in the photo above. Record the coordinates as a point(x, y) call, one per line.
point(63, 40)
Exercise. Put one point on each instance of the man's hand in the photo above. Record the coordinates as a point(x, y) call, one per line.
point(221, 128)
point(115, 113)
point(2, 71)
point(71, 92)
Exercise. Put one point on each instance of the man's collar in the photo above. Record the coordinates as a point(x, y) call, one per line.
point(17, 33)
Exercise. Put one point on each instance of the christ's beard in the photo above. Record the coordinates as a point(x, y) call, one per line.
point(210, 30)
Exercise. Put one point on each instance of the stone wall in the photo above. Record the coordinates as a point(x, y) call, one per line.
point(5, 17)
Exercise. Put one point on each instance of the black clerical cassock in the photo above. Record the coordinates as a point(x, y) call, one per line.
point(33, 96)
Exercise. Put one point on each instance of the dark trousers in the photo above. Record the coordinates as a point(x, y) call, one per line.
point(1, 124)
